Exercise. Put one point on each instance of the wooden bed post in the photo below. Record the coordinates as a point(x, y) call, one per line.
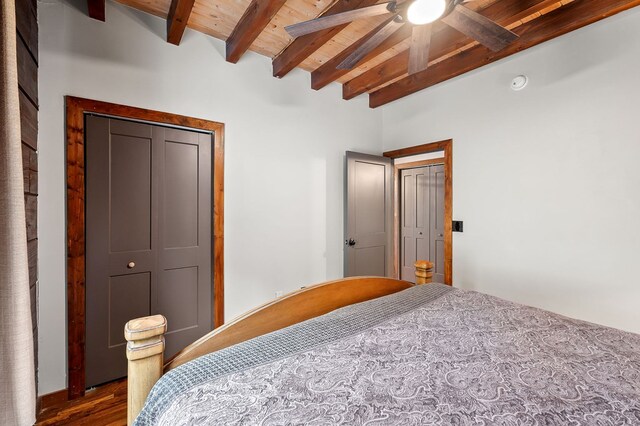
point(145, 346)
point(424, 271)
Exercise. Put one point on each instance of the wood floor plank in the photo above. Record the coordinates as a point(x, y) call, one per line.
point(105, 405)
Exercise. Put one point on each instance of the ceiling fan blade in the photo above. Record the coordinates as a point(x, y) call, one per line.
point(482, 29)
point(366, 47)
point(324, 22)
point(419, 49)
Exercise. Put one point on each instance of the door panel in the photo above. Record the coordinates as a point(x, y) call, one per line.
point(130, 186)
point(180, 195)
point(370, 198)
point(136, 290)
point(179, 288)
point(371, 260)
point(369, 216)
point(148, 237)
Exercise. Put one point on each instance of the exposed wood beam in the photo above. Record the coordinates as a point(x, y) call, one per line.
point(556, 23)
point(177, 19)
point(445, 40)
point(302, 47)
point(253, 21)
point(328, 72)
point(96, 9)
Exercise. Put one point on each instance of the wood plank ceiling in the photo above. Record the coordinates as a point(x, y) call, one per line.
point(258, 25)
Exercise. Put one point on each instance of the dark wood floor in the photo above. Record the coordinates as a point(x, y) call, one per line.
point(106, 405)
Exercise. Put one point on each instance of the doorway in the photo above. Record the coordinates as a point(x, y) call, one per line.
point(446, 147)
point(78, 118)
point(148, 231)
point(421, 216)
point(372, 211)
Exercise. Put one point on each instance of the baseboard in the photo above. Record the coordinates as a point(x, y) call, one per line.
point(50, 399)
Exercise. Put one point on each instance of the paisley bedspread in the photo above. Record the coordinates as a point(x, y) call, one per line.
point(427, 355)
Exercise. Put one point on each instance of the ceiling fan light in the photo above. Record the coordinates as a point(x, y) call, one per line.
point(422, 12)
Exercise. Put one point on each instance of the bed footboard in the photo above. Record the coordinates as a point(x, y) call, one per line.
point(146, 342)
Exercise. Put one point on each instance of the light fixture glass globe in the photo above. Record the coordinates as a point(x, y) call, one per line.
point(422, 12)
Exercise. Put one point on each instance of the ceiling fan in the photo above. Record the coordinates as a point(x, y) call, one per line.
point(419, 13)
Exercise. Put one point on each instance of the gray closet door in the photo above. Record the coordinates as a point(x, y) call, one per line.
point(183, 292)
point(422, 220)
point(369, 216)
point(414, 220)
point(148, 237)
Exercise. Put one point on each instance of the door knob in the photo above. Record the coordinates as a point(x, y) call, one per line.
point(352, 242)
point(131, 265)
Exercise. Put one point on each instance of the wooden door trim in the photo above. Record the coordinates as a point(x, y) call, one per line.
point(76, 109)
point(447, 160)
point(421, 163)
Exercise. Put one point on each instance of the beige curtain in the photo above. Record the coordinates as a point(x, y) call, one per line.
point(17, 376)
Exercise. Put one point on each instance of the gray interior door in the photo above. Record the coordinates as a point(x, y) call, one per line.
point(414, 220)
point(369, 216)
point(148, 237)
point(422, 220)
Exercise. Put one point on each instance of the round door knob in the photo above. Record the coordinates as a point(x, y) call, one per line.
point(131, 265)
point(352, 242)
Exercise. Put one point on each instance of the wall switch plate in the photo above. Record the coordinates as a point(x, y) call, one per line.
point(457, 226)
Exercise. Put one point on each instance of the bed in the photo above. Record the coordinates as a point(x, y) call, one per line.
point(392, 353)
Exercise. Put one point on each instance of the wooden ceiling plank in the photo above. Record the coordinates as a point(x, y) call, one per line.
point(445, 40)
point(328, 72)
point(96, 9)
point(302, 47)
point(560, 21)
point(253, 22)
point(177, 20)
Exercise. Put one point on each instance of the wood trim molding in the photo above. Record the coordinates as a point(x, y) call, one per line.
point(422, 163)
point(447, 147)
point(96, 9)
point(51, 400)
point(76, 108)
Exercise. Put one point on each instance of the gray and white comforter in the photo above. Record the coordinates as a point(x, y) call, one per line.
point(427, 355)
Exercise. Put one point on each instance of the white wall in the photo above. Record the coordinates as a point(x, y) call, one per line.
point(284, 152)
point(547, 180)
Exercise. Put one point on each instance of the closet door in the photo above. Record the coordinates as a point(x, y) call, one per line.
point(148, 237)
point(414, 220)
point(182, 292)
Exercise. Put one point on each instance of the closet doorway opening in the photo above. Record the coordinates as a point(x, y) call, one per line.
point(423, 200)
point(128, 135)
